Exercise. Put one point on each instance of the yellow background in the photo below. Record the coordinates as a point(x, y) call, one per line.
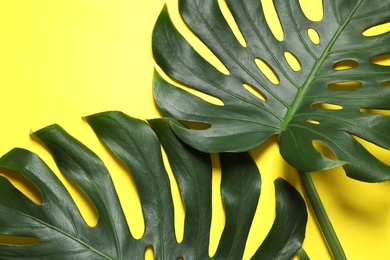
point(61, 60)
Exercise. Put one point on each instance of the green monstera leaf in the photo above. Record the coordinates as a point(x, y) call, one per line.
point(337, 93)
point(61, 232)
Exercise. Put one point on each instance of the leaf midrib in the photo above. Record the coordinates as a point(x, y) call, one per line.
point(66, 234)
point(302, 91)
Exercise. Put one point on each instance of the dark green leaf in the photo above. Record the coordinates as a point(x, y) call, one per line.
point(240, 174)
point(286, 223)
point(192, 170)
point(302, 254)
point(62, 233)
point(61, 230)
point(299, 107)
point(122, 134)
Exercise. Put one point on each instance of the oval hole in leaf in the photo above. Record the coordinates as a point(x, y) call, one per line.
point(312, 9)
point(18, 240)
point(373, 111)
point(272, 18)
point(327, 106)
point(268, 72)
point(345, 65)
point(377, 30)
point(149, 253)
point(195, 125)
point(346, 85)
point(385, 83)
point(324, 149)
point(380, 153)
point(382, 60)
point(254, 91)
point(292, 61)
point(313, 36)
point(232, 23)
point(23, 184)
point(204, 96)
point(314, 122)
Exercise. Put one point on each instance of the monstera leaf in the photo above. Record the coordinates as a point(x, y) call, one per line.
point(338, 92)
point(61, 232)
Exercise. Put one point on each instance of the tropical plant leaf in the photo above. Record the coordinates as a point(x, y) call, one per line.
point(319, 101)
point(62, 233)
point(302, 255)
point(273, 245)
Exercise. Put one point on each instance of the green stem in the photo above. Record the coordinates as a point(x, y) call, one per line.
point(322, 218)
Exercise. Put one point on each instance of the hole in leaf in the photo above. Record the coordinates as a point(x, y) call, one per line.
point(314, 122)
point(377, 30)
point(327, 106)
point(204, 96)
point(345, 65)
point(382, 60)
point(272, 18)
point(18, 240)
point(346, 85)
point(380, 153)
point(23, 184)
point(195, 125)
point(218, 217)
point(254, 91)
point(149, 253)
point(324, 149)
point(267, 71)
point(373, 111)
point(232, 23)
point(312, 9)
point(313, 36)
point(385, 83)
point(292, 61)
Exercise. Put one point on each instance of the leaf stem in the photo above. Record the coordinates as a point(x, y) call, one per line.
point(321, 216)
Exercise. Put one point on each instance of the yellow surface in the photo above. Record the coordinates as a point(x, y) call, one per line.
point(61, 60)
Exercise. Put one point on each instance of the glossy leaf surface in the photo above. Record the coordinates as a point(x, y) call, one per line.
point(338, 90)
point(62, 233)
point(302, 255)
